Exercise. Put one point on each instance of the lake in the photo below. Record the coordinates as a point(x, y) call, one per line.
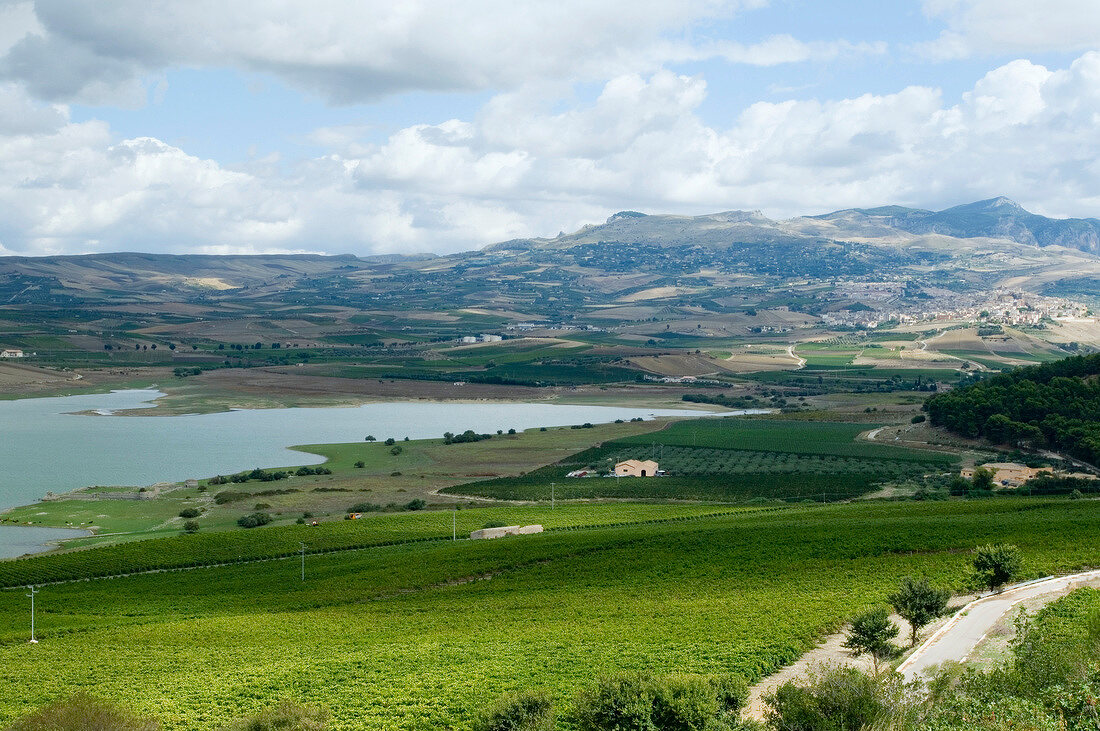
point(18, 540)
point(45, 447)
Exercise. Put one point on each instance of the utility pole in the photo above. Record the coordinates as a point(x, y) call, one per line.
point(303, 552)
point(34, 640)
point(454, 524)
point(552, 495)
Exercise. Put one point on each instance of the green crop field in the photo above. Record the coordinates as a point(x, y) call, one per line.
point(424, 635)
point(203, 549)
point(727, 459)
point(703, 461)
point(792, 437)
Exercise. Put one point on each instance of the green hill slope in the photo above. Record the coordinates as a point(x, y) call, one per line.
point(424, 635)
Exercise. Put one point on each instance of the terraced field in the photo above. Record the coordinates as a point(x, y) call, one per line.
point(424, 635)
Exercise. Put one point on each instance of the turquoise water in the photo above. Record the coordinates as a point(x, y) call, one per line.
point(45, 447)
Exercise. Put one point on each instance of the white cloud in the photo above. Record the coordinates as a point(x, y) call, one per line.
point(345, 50)
point(1012, 26)
point(523, 167)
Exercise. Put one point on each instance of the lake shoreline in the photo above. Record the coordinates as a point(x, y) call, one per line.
point(52, 452)
point(23, 540)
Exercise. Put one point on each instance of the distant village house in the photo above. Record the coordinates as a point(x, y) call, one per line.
point(11, 353)
point(636, 468)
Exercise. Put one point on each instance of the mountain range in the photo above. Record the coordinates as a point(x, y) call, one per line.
point(982, 244)
point(996, 218)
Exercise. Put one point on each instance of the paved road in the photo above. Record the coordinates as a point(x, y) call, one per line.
point(958, 638)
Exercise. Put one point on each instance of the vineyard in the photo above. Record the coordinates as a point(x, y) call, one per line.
point(790, 437)
point(423, 635)
point(702, 461)
point(208, 549)
point(729, 460)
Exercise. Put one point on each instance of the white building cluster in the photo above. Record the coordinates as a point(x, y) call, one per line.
point(1001, 306)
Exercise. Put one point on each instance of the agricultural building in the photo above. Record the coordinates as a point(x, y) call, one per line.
point(636, 468)
point(11, 353)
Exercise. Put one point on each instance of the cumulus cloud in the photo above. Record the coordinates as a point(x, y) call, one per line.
point(1012, 26)
point(522, 166)
point(350, 50)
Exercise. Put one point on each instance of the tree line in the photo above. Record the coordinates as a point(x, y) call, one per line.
point(1050, 405)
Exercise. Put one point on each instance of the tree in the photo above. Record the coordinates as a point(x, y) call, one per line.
point(918, 602)
point(996, 565)
point(871, 633)
point(983, 479)
point(191, 526)
point(370, 438)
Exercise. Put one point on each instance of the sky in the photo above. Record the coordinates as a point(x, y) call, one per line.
point(371, 127)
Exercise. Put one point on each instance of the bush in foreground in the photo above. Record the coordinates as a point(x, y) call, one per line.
point(838, 698)
point(82, 712)
point(531, 710)
point(286, 716)
point(676, 702)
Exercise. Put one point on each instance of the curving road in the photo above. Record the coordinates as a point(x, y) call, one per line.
point(958, 638)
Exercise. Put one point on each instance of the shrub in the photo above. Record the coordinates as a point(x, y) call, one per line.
point(191, 526)
point(669, 703)
point(390, 442)
point(623, 702)
point(838, 699)
point(416, 504)
point(684, 703)
point(531, 710)
point(190, 513)
point(360, 464)
point(254, 520)
point(364, 508)
point(286, 716)
point(396, 450)
point(731, 692)
point(261, 506)
point(82, 712)
point(918, 419)
point(495, 524)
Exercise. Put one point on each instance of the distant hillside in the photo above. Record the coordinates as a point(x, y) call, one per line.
point(996, 218)
point(993, 218)
point(64, 279)
point(628, 261)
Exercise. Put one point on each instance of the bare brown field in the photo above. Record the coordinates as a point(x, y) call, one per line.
point(677, 365)
point(21, 380)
